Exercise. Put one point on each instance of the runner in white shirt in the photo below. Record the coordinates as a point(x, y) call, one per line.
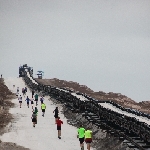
point(20, 100)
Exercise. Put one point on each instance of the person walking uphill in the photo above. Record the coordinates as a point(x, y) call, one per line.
point(20, 100)
point(36, 112)
point(32, 94)
point(34, 118)
point(88, 138)
point(59, 122)
point(56, 113)
point(43, 107)
point(42, 99)
point(28, 100)
point(36, 99)
point(80, 135)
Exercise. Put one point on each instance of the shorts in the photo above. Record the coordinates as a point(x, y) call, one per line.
point(31, 102)
point(81, 140)
point(20, 101)
point(36, 99)
point(58, 127)
point(88, 140)
point(56, 116)
point(43, 110)
point(34, 120)
point(27, 103)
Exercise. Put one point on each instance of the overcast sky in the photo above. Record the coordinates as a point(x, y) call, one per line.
point(104, 44)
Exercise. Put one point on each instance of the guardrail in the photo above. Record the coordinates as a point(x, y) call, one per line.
point(129, 128)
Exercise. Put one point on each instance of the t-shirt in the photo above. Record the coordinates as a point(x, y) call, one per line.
point(59, 122)
point(36, 111)
point(36, 96)
point(33, 115)
point(88, 134)
point(56, 111)
point(20, 98)
point(41, 99)
point(81, 132)
point(28, 100)
point(43, 106)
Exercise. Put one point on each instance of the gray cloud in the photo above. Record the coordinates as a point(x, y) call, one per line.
point(102, 44)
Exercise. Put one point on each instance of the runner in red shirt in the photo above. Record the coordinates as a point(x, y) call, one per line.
point(59, 122)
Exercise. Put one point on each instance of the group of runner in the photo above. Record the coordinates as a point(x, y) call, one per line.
point(83, 134)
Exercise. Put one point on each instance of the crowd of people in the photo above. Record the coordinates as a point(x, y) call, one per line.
point(84, 135)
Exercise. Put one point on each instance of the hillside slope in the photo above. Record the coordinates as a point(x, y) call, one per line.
point(123, 100)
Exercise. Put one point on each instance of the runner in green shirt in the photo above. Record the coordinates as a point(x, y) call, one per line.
point(36, 99)
point(80, 135)
point(88, 138)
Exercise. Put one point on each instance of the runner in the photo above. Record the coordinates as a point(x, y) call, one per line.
point(28, 100)
point(17, 91)
point(24, 92)
point(32, 94)
point(20, 100)
point(43, 107)
point(25, 89)
point(80, 135)
point(59, 122)
point(42, 99)
point(36, 99)
point(34, 118)
point(36, 112)
point(32, 102)
point(56, 113)
point(88, 138)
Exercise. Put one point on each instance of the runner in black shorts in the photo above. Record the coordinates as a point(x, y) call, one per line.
point(20, 100)
point(80, 135)
point(32, 103)
point(36, 99)
point(56, 113)
point(34, 118)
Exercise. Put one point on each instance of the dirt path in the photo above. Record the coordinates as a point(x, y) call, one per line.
point(5, 117)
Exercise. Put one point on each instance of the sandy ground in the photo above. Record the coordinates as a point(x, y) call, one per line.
point(44, 135)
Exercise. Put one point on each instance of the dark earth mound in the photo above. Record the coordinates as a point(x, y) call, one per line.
point(5, 117)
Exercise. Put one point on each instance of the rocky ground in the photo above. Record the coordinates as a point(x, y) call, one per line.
point(123, 100)
point(101, 139)
point(5, 116)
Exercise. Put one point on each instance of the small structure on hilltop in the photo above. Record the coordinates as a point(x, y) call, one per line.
point(40, 74)
point(24, 68)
